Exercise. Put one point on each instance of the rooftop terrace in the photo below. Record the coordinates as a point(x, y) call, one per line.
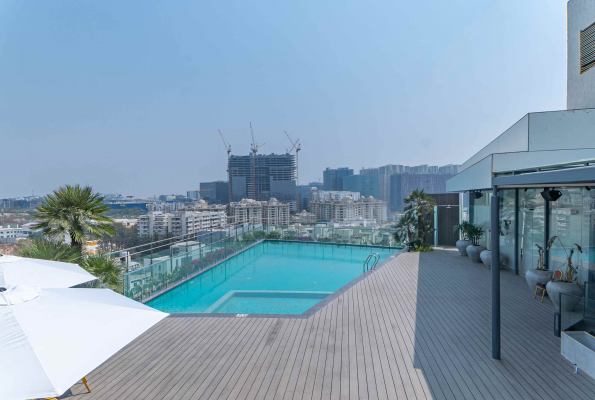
point(416, 328)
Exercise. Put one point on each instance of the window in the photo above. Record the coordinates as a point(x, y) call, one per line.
point(588, 48)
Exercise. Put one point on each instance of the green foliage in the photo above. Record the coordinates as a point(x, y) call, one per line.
point(406, 229)
point(419, 206)
point(463, 228)
point(259, 235)
point(475, 233)
point(74, 211)
point(106, 269)
point(424, 248)
point(43, 249)
point(273, 235)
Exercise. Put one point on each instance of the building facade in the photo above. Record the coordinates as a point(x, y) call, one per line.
point(275, 177)
point(366, 185)
point(271, 212)
point(275, 212)
point(12, 232)
point(179, 222)
point(333, 195)
point(349, 209)
point(332, 179)
point(403, 184)
point(581, 54)
point(216, 192)
point(531, 189)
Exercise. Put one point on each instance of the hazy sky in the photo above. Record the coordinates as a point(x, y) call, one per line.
point(127, 96)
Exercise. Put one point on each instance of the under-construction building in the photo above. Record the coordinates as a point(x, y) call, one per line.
point(267, 176)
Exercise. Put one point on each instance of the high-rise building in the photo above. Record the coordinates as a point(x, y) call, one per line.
point(275, 177)
point(403, 184)
point(215, 192)
point(366, 185)
point(333, 178)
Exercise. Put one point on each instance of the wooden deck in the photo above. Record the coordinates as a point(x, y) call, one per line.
point(417, 328)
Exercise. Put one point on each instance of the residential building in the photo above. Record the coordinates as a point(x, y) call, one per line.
point(366, 185)
point(186, 222)
point(348, 209)
point(246, 211)
point(10, 233)
point(202, 205)
point(403, 184)
point(535, 182)
point(271, 212)
point(304, 217)
point(216, 192)
point(179, 222)
point(333, 195)
point(153, 223)
point(333, 178)
point(275, 212)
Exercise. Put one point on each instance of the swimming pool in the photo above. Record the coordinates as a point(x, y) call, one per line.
point(270, 278)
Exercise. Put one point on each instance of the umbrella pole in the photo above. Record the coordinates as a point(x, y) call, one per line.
point(85, 382)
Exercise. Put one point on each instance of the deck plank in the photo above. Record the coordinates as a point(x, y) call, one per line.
point(417, 328)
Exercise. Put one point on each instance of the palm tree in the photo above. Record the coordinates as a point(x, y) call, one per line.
point(405, 230)
point(43, 249)
point(106, 269)
point(73, 211)
point(420, 205)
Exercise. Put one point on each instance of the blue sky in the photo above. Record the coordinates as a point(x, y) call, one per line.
point(127, 96)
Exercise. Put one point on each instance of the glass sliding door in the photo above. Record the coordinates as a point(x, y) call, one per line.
point(507, 232)
point(572, 221)
point(531, 228)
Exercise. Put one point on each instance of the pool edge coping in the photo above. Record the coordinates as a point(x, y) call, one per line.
point(306, 314)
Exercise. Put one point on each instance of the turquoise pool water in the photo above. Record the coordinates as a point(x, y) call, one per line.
point(270, 278)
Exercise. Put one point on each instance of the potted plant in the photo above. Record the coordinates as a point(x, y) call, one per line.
point(568, 283)
point(475, 233)
point(539, 274)
point(486, 255)
point(462, 244)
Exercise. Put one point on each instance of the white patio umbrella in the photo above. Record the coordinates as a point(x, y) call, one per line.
point(51, 338)
point(40, 273)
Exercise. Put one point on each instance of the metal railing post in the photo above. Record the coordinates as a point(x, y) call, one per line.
point(495, 237)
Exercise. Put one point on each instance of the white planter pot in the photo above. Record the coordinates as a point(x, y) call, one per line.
point(462, 246)
point(535, 276)
point(486, 258)
point(474, 251)
point(568, 303)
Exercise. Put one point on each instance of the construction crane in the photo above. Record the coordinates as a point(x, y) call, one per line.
point(228, 149)
point(297, 146)
point(254, 147)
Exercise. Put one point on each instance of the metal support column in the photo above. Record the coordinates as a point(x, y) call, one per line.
point(546, 233)
point(516, 232)
point(495, 222)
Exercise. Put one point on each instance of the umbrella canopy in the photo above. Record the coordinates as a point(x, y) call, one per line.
point(51, 338)
point(40, 273)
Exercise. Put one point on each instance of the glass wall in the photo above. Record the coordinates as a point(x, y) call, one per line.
point(479, 214)
point(572, 221)
point(531, 227)
point(507, 229)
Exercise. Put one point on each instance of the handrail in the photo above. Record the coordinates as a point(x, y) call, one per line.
point(374, 257)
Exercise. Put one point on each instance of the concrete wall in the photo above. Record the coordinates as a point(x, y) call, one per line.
point(581, 87)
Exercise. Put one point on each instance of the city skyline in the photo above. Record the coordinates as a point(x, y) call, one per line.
point(121, 98)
